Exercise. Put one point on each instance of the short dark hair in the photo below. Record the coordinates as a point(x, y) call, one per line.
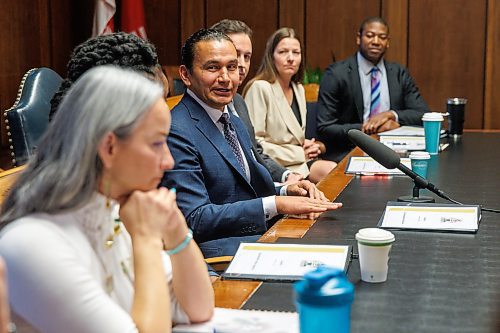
point(228, 26)
point(120, 49)
point(188, 49)
point(372, 19)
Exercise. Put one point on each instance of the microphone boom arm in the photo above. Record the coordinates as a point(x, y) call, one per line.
point(422, 182)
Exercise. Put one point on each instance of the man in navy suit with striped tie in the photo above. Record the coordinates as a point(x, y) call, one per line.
point(366, 93)
point(226, 195)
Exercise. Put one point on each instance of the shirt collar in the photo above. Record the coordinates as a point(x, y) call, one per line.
point(366, 66)
point(214, 114)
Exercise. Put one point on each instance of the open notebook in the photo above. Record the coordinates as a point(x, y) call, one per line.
point(242, 321)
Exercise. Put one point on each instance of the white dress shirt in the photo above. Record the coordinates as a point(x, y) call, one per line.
point(364, 69)
point(63, 277)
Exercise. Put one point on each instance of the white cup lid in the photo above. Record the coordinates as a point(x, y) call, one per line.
point(419, 155)
point(433, 116)
point(375, 236)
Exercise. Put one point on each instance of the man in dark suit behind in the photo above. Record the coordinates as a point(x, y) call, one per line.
point(346, 99)
point(225, 194)
point(241, 34)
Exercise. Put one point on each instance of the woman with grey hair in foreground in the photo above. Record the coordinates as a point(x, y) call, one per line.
point(73, 264)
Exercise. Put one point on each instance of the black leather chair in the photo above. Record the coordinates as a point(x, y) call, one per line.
point(28, 118)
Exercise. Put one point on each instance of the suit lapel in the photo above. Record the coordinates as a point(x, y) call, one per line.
point(391, 81)
point(356, 90)
point(287, 114)
point(261, 180)
point(206, 126)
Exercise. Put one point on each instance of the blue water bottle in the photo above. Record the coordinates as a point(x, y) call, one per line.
point(324, 301)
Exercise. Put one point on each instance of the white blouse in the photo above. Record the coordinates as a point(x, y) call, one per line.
point(73, 272)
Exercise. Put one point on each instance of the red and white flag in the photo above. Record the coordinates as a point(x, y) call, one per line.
point(132, 19)
point(104, 17)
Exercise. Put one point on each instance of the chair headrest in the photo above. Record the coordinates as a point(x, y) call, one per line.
point(28, 118)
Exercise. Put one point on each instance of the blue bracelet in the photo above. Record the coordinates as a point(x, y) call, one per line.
point(182, 245)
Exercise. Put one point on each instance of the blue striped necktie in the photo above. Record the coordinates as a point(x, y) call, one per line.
point(375, 92)
point(232, 139)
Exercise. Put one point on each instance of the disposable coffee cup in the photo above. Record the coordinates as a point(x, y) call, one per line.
point(420, 162)
point(432, 128)
point(374, 245)
point(456, 111)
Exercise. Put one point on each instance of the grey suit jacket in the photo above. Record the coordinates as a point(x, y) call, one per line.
point(271, 165)
point(340, 103)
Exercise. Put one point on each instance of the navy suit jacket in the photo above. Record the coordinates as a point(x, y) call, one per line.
point(340, 103)
point(220, 205)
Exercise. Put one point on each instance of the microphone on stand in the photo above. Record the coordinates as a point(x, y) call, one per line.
point(391, 160)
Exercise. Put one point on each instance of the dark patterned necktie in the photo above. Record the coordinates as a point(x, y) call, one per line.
point(232, 139)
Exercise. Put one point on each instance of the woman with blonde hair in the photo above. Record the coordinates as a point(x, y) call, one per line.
point(277, 106)
point(91, 243)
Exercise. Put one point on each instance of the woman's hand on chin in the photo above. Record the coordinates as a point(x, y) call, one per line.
point(154, 214)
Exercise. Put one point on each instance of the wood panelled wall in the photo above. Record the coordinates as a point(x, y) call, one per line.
point(38, 33)
point(451, 47)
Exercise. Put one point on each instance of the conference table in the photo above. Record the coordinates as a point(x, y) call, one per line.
point(437, 282)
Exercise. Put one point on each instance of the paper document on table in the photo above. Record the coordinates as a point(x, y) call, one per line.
point(438, 217)
point(366, 165)
point(404, 142)
point(263, 261)
point(404, 131)
point(408, 131)
point(242, 321)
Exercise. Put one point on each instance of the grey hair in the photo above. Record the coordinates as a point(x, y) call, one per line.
point(64, 172)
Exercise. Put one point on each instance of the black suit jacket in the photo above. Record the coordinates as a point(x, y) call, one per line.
point(340, 103)
point(275, 169)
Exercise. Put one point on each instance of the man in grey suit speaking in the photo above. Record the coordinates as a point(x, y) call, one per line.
point(241, 35)
point(366, 93)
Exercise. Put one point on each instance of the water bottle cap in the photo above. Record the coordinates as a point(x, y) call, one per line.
point(325, 286)
point(457, 101)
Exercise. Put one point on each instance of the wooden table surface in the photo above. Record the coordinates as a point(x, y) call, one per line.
point(7, 178)
point(233, 294)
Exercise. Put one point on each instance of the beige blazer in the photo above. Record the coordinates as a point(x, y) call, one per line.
point(276, 127)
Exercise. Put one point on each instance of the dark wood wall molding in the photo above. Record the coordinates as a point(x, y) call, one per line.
point(395, 12)
point(38, 33)
point(447, 53)
point(451, 47)
point(491, 95)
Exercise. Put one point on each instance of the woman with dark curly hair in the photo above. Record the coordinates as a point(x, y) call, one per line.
point(119, 49)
